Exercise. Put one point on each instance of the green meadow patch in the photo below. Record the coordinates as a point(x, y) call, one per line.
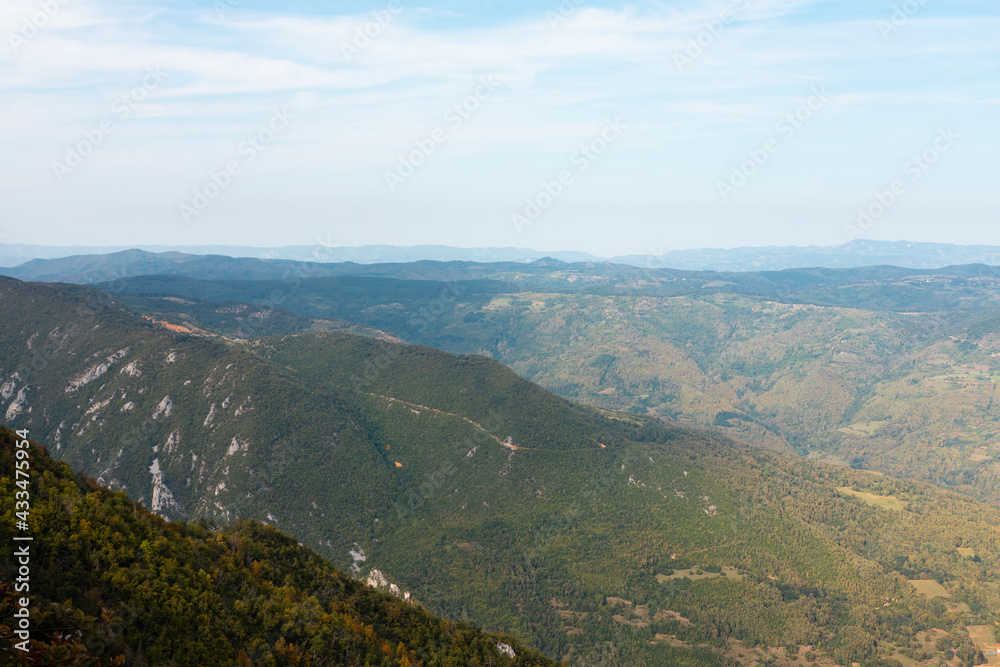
point(696, 573)
point(929, 588)
point(885, 502)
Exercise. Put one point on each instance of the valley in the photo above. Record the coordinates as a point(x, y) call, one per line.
point(883, 369)
point(487, 499)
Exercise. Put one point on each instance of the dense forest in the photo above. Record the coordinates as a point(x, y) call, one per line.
point(886, 369)
point(113, 584)
point(594, 536)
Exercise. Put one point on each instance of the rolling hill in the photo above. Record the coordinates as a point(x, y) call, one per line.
point(885, 369)
point(597, 537)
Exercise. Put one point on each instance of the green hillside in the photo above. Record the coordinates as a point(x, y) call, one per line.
point(113, 584)
point(597, 537)
point(670, 501)
point(233, 319)
point(886, 369)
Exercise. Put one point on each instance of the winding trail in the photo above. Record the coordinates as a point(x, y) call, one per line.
point(508, 443)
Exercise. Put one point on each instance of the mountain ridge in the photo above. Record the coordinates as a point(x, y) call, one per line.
point(814, 360)
point(854, 254)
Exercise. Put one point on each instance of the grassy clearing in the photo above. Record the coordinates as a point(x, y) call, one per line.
point(692, 573)
point(830, 459)
point(930, 588)
point(984, 638)
point(891, 503)
point(868, 428)
point(499, 303)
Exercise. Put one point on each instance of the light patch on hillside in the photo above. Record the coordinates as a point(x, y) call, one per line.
point(7, 390)
point(95, 372)
point(667, 615)
point(164, 409)
point(172, 441)
point(237, 445)
point(243, 407)
point(58, 435)
point(132, 369)
point(377, 580)
point(19, 406)
point(506, 650)
point(100, 405)
point(358, 556)
point(211, 416)
point(163, 502)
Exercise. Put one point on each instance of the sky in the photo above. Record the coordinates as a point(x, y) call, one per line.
point(605, 127)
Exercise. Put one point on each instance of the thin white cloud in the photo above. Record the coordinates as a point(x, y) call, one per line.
point(554, 89)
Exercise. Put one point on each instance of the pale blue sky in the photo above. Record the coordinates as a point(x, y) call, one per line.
point(684, 116)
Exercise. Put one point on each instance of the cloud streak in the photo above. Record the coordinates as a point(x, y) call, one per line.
point(557, 82)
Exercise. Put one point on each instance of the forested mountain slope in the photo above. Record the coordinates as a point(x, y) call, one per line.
point(113, 584)
point(883, 368)
point(598, 537)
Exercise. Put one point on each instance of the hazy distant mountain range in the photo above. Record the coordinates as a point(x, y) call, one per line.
point(772, 258)
point(16, 254)
point(850, 255)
